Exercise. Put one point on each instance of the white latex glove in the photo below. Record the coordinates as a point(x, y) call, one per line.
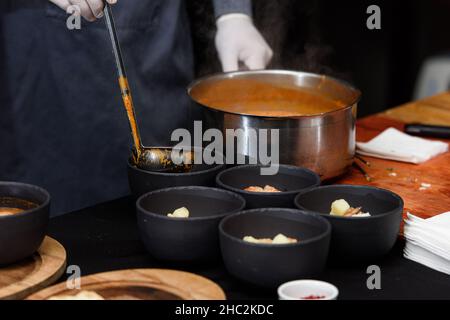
point(89, 9)
point(237, 40)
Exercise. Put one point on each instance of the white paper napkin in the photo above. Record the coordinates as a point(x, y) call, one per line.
point(396, 145)
point(428, 241)
point(427, 258)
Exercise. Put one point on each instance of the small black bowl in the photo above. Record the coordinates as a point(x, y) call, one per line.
point(271, 265)
point(21, 234)
point(357, 239)
point(193, 239)
point(142, 181)
point(290, 180)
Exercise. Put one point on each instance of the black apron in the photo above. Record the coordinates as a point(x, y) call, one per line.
point(62, 124)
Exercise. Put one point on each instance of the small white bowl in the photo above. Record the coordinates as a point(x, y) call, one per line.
point(301, 289)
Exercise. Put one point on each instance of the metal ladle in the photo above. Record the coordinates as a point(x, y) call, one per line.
point(146, 158)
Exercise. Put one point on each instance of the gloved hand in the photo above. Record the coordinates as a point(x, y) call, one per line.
point(89, 9)
point(237, 40)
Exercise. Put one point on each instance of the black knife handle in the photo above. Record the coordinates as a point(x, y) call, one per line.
point(428, 131)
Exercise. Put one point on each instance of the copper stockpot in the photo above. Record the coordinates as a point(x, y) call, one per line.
point(324, 143)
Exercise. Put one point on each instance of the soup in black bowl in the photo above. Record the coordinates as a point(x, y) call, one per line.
point(143, 181)
point(24, 214)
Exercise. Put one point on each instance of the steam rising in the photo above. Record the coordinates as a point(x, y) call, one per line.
point(291, 27)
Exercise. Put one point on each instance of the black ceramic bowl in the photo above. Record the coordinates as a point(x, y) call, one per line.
point(22, 233)
point(357, 239)
point(272, 265)
point(193, 239)
point(290, 180)
point(142, 181)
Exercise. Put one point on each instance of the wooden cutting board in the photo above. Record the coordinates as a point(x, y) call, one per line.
point(403, 178)
point(42, 269)
point(141, 284)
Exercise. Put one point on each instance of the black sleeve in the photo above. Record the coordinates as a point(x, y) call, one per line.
point(222, 7)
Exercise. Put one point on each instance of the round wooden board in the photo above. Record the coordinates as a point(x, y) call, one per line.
point(141, 284)
point(35, 273)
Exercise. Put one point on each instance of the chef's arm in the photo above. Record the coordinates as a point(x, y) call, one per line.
point(237, 39)
point(223, 7)
point(91, 10)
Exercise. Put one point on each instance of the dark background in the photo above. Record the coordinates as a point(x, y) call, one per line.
point(331, 37)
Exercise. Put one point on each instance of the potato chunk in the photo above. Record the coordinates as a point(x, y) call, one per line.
point(339, 208)
point(282, 239)
point(279, 239)
point(179, 213)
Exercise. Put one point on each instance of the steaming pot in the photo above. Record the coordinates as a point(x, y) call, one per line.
point(324, 143)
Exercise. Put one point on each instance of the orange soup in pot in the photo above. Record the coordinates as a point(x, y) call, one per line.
point(257, 98)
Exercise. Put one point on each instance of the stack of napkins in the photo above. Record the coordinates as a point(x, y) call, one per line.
point(428, 241)
point(396, 145)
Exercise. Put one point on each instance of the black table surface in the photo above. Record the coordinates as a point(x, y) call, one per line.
point(105, 238)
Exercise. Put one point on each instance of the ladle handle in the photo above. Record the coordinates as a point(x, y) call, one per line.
point(123, 81)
